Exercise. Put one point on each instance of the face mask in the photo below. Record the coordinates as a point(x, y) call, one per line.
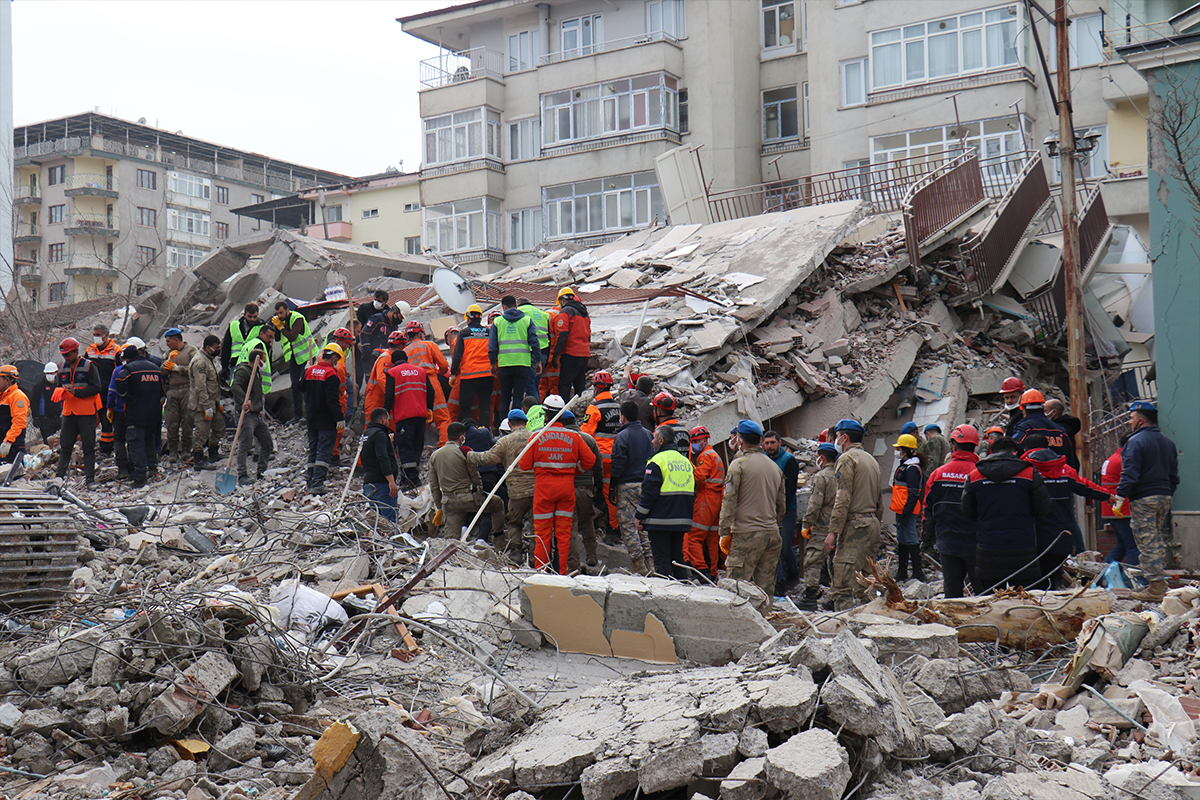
point(51, 378)
point(837, 447)
point(899, 453)
point(98, 339)
point(697, 447)
point(1012, 407)
point(378, 306)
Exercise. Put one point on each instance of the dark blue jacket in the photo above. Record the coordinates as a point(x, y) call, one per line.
point(669, 511)
point(908, 475)
point(140, 385)
point(378, 456)
point(791, 474)
point(1038, 423)
point(1062, 484)
point(114, 397)
point(631, 450)
point(1004, 496)
point(1149, 464)
point(943, 515)
point(481, 440)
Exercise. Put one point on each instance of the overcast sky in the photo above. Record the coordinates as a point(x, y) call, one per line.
point(331, 85)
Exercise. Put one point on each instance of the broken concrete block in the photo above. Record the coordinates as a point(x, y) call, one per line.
point(839, 349)
point(671, 767)
point(788, 703)
point(555, 759)
point(1069, 784)
point(377, 766)
point(40, 720)
point(110, 723)
point(809, 766)
point(233, 749)
point(957, 683)
point(330, 754)
point(172, 711)
point(10, 715)
point(848, 658)
point(1102, 714)
point(747, 781)
point(967, 729)
point(940, 748)
point(726, 710)
point(813, 653)
point(608, 779)
point(895, 643)
point(62, 661)
point(753, 742)
point(253, 655)
point(720, 752)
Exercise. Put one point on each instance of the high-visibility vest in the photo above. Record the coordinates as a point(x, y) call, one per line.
point(608, 417)
point(536, 418)
point(677, 492)
point(264, 371)
point(410, 396)
point(541, 324)
point(238, 340)
point(513, 342)
point(475, 362)
point(301, 349)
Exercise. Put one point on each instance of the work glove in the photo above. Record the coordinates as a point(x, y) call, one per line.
point(428, 417)
point(109, 414)
point(58, 394)
point(726, 543)
point(277, 322)
point(5, 448)
point(341, 426)
point(1118, 506)
point(437, 517)
point(806, 532)
point(208, 414)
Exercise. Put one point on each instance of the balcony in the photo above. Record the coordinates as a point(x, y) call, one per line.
point(608, 46)
point(88, 264)
point(89, 185)
point(450, 68)
point(27, 195)
point(26, 232)
point(338, 231)
point(91, 225)
point(29, 274)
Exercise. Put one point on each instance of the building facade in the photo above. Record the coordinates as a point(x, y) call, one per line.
point(103, 206)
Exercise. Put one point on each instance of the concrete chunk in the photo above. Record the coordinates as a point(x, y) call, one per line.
point(788, 703)
point(63, 661)
point(746, 781)
point(753, 742)
point(894, 643)
point(809, 766)
point(173, 710)
point(671, 768)
point(608, 779)
point(720, 752)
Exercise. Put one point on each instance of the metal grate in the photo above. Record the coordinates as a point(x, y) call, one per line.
point(38, 549)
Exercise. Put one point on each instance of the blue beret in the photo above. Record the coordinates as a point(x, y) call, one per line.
point(933, 426)
point(826, 447)
point(850, 425)
point(909, 427)
point(517, 414)
point(1143, 405)
point(567, 416)
point(749, 426)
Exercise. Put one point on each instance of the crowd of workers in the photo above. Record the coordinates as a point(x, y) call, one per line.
point(999, 510)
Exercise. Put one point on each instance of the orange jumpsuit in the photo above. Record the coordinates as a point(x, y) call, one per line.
point(602, 423)
point(549, 383)
point(373, 398)
point(701, 545)
point(428, 356)
point(556, 456)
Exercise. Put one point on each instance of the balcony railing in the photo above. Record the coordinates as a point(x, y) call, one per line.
point(451, 67)
point(938, 200)
point(87, 264)
point(607, 46)
point(1050, 305)
point(26, 232)
point(80, 224)
point(1134, 31)
point(992, 251)
point(26, 193)
point(87, 183)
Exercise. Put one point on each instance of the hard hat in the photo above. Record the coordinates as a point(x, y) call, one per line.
point(700, 432)
point(51, 368)
point(473, 309)
point(173, 332)
point(553, 401)
point(492, 316)
point(991, 430)
point(396, 337)
point(9, 371)
point(135, 341)
point(1143, 405)
point(827, 447)
point(565, 291)
point(130, 352)
point(602, 378)
point(665, 401)
point(933, 426)
point(402, 307)
point(343, 333)
point(334, 347)
point(749, 426)
point(517, 414)
point(848, 425)
point(633, 379)
point(68, 344)
point(906, 440)
point(413, 327)
point(1012, 385)
point(966, 434)
point(1032, 398)
point(505, 426)
point(909, 427)
point(823, 436)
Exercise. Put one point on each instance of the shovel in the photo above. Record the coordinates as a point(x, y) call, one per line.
point(227, 478)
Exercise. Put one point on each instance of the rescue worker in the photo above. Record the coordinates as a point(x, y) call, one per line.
point(1126, 549)
point(376, 395)
point(1010, 392)
point(250, 398)
point(1149, 477)
point(480, 440)
point(408, 396)
point(907, 485)
point(789, 565)
point(943, 520)
point(471, 367)
point(381, 469)
point(79, 390)
point(550, 373)
point(452, 388)
point(519, 482)
point(103, 353)
point(454, 483)
point(640, 394)
point(367, 310)
point(541, 327)
point(374, 338)
point(573, 343)
point(1035, 421)
point(815, 523)
point(140, 385)
point(935, 448)
point(240, 331)
point(428, 356)
point(344, 339)
point(589, 487)
point(205, 403)
point(665, 405)
point(857, 510)
point(702, 545)
point(990, 436)
point(514, 349)
point(752, 512)
point(116, 414)
point(536, 412)
point(295, 337)
point(322, 389)
point(47, 413)
point(632, 448)
point(14, 414)
point(555, 456)
point(178, 383)
point(665, 508)
point(1004, 496)
point(603, 420)
point(1056, 410)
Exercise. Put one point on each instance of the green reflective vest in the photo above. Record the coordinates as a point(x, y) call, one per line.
point(677, 472)
point(264, 372)
point(299, 351)
point(536, 418)
point(239, 341)
point(541, 324)
point(512, 339)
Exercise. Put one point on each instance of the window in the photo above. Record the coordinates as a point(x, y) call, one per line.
point(524, 229)
point(522, 51)
point(524, 139)
point(190, 185)
point(411, 207)
point(804, 93)
point(854, 82)
point(370, 213)
point(666, 16)
point(58, 253)
point(581, 36)
point(778, 23)
point(1095, 163)
point(184, 257)
point(222, 195)
point(587, 112)
point(990, 138)
point(147, 179)
point(601, 206)
point(412, 245)
point(220, 230)
point(147, 216)
point(56, 175)
point(375, 245)
point(779, 114)
point(141, 288)
point(463, 225)
point(948, 47)
point(185, 221)
point(1085, 38)
point(146, 256)
point(58, 292)
point(462, 135)
point(57, 214)
point(256, 198)
point(683, 110)
point(333, 213)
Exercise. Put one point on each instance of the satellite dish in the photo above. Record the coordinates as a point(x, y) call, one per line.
point(453, 289)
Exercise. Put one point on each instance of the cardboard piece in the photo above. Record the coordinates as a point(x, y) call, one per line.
point(653, 645)
point(574, 622)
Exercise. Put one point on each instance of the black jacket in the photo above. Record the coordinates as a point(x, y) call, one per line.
point(1062, 483)
point(141, 386)
point(1038, 423)
point(481, 440)
point(1004, 496)
point(41, 406)
point(943, 516)
point(378, 455)
point(1149, 464)
point(322, 397)
point(631, 450)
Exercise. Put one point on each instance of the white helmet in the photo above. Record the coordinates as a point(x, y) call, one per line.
point(134, 341)
point(51, 368)
point(504, 425)
point(553, 401)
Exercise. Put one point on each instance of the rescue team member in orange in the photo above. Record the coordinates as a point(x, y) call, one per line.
point(103, 353)
point(375, 396)
point(602, 421)
point(472, 368)
point(14, 414)
point(549, 382)
point(428, 356)
point(555, 456)
point(573, 346)
point(79, 390)
point(702, 545)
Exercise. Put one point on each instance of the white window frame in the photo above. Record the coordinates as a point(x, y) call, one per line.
point(1073, 37)
point(524, 229)
point(1096, 165)
point(462, 136)
point(611, 108)
point(667, 16)
point(524, 139)
point(770, 14)
point(184, 220)
point(990, 138)
point(370, 213)
point(778, 105)
point(189, 185)
point(523, 51)
point(804, 118)
point(601, 206)
point(862, 84)
point(469, 224)
point(333, 213)
point(412, 245)
point(589, 34)
point(184, 257)
point(411, 207)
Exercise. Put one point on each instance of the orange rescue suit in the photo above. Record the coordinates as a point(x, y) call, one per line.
point(556, 455)
point(701, 545)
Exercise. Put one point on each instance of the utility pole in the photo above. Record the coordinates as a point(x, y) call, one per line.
point(1076, 367)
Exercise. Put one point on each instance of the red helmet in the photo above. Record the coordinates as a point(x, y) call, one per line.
point(823, 436)
point(492, 316)
point(1012, 385)
point(68, 344)
point(633, 379)
point(965, 434)
point(343, 333)
point(665, 401)
point(413, 327)
point(699, 432)
point(602, 378)
point(396, 337)
point(1032, 398)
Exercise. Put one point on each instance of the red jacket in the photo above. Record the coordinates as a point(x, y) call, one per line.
point(408, 392)
point(557, 452)
point(1110, 478)
point(573, 327)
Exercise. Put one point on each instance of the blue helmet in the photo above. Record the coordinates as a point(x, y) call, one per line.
point(749, 426)
point(849, 425)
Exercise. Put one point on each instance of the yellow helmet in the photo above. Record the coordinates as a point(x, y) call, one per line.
point(334, 347)
point(473, 309)
point(906, 440)
point(564, 292)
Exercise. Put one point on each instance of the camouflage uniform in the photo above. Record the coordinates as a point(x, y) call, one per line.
point(178, 411)
point(1155, 539)
point(816, 518)
point(636, 541)
point(857, 511)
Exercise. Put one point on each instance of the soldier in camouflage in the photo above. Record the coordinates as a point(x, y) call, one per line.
point(815, 524)
point(1149, 476)
point(857, 512)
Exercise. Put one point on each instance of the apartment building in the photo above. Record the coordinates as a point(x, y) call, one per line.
point(542, 120)
point(105, 206)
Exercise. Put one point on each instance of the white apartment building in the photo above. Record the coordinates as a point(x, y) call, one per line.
point(542, 119)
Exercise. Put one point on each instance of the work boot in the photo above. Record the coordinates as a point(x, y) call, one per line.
point(809, 602)
point(199, 462)
point(638, 567)
point(245, 480)
point(318, 488)
point(902, 562)
point(1154, 593)
point(214, 453)
point(918, 569)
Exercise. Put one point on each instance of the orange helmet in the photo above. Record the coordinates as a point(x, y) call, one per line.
point(1032, 398)
point(994, 429)
point(9, 371)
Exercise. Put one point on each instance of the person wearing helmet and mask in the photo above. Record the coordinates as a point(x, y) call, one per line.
point(376, 394)
point(573, 345)
point(541, 328)
point(907, 484)
point(471, 366)
point(514, 349)
point(47, 413)
point(79, 382)
point(326, 415)
point(408, 396)
point(990, 436)
point(701, 546)
point(1035, 421)
point(1010, 393)
point(814, 526)
point(103, 353)
point(602, 421)
point(374, 338)
point(665, 406)
point(239, 332)
point(752, 511)
point(115, 406)
point(428, 356)
point(140, 386)
point(14, 414)
point(943, 521)
point(178, 384)
point(857, 511)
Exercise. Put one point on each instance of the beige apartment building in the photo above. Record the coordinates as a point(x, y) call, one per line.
point(104, 206)
point(542, 120)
